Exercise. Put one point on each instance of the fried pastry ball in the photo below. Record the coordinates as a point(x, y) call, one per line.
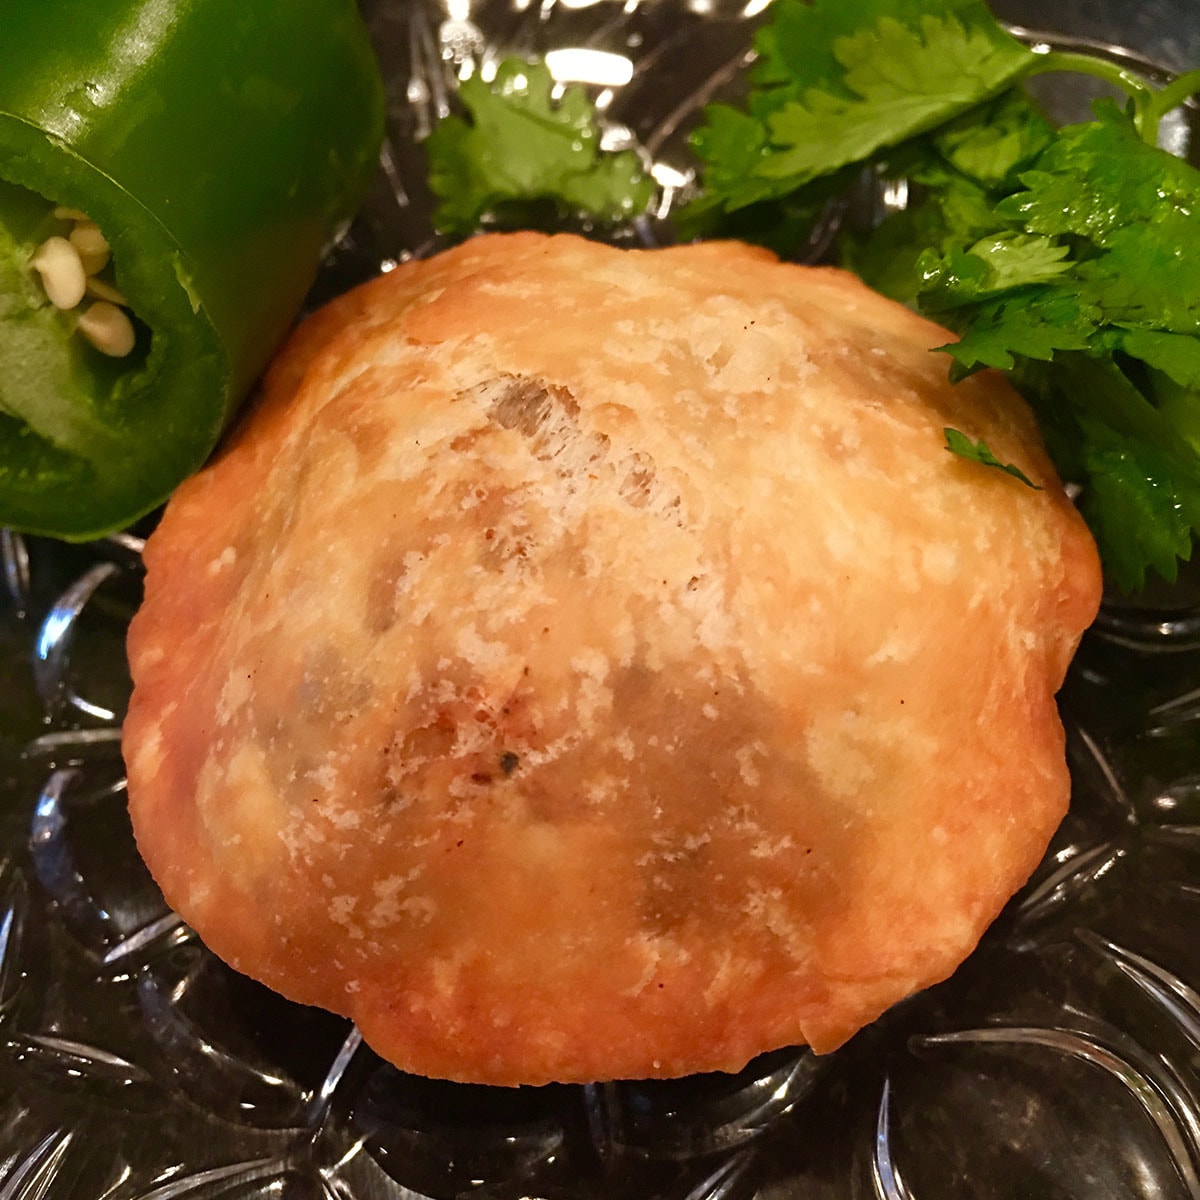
point(590, 663)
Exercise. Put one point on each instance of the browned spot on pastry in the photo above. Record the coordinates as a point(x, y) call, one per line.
point(548, 417)
point(528, 406)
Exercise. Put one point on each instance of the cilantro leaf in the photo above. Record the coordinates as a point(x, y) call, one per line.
point(519, 145)
point(733, 144)
point(1134, 512)
point(958, 443)
point(1178, 405)
point(1130, 210)
point(1093, 272)
point(990, 267)
point(988, 144)
point(957, 168)
point(805, 45)
point(903, 80)
point(839, 80)
point(800, 43)
point(1176, 355)
point(1149, 276)
point(1098, 178)
point(1137, 462)
point(1030, 323)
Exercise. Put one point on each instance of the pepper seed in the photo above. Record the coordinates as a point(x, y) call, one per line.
point(99, 290)
point(61, 270)
point(108, 329)
point(91, 245)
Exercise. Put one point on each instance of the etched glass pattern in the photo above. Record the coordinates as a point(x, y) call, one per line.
point(1062, 1060)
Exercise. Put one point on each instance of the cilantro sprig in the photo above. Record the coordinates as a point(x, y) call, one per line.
point(838, 80)
point(518, 146)
point(979, 451)
point(1068, 257)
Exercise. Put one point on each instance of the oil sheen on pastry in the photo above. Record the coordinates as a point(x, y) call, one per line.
point(589, 663)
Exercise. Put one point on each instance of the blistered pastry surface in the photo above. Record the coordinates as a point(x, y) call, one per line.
point(591, 664)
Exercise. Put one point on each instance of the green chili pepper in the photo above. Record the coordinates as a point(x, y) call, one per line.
point(218, 145)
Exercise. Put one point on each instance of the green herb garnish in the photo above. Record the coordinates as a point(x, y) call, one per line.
point(958, 443)
point(839, 80)
point(519, 147)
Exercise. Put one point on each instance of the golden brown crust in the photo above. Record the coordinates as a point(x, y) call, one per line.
point(590, 664)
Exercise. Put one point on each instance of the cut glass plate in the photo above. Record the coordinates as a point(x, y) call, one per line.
point(1062, 1060)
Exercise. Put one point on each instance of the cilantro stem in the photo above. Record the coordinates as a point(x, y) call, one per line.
point(1145, 117)
point(1173, 95)
point(1149, 106)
